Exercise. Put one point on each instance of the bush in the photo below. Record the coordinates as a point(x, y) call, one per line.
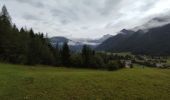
point(96, 62)
point(76, 60)
point(113, 65)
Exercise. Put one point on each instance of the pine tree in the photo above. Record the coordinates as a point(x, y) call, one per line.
point(65, 54)
point(57, 54)
point(5, 35)
point(5, 17)
point(87, 54)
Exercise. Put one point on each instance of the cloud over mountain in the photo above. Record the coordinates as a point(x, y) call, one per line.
point(84, 18)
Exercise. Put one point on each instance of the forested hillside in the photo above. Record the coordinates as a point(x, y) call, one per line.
point(21, 45)
point(156, 41)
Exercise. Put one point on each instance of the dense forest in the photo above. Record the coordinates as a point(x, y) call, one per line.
point(23, 46)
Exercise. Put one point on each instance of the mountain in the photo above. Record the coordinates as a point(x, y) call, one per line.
point(115, 41)
point(102, 39)
point(61, 40)
point(154, 41)
point(93, 42)
point(74, 45)
point(58, 40)
point(77, 44)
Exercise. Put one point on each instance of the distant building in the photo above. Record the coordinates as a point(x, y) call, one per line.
point(159, 65)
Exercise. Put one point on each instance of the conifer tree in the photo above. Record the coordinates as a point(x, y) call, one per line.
point(87, 53)
point(65, 54)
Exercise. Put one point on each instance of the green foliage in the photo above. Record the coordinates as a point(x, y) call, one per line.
point(65, 54)
point(5, 17)
point(97, 62)
point(87, 55)
point(76, 60)
point(113, 65)
point(22, 47)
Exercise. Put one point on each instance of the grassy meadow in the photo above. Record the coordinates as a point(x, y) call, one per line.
point(168, 61)
point(19, 82)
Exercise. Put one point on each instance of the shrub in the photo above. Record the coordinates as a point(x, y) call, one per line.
point(113, 65)
point(97, 62)
point(76, 60)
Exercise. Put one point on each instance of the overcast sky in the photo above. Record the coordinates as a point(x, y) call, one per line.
point(83, 18)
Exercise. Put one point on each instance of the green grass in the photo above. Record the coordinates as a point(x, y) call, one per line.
point(124, 54)
point(168, 61)
point(19, 82)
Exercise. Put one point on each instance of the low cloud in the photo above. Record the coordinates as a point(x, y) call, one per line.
point(34, 3)
point(30, 17)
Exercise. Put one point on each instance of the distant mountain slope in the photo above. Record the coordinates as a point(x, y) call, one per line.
point(92, 41)
point(77, 44)
point(61, 40)
point(58, 40)
point(155, 41)
point(113, 42)
point(74, 45)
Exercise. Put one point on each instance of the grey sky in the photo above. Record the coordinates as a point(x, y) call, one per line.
point(83, 18)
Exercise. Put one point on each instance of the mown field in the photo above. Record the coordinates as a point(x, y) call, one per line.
point(19, 82)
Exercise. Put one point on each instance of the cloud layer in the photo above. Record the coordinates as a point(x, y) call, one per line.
point(83, 18)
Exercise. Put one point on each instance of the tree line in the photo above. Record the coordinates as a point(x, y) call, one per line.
point(23, 46)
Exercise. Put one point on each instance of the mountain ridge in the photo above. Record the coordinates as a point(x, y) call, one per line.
point(77, 44)
point(154, 41)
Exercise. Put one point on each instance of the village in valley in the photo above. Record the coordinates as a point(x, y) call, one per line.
point(128, 60)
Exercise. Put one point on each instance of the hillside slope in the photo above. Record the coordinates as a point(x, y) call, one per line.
point(155, 41)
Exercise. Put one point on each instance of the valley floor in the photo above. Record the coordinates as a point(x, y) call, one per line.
point(19, 82)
